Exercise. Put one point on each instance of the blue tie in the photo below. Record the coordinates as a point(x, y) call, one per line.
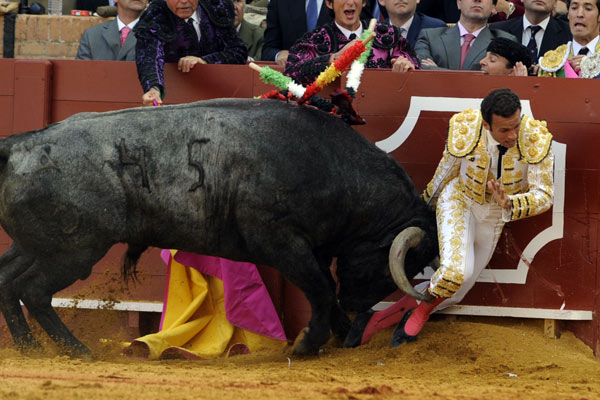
point(376, 10)
point(532, 45)
point(312, 15)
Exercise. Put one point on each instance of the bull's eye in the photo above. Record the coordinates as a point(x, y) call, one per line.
point(44, 159)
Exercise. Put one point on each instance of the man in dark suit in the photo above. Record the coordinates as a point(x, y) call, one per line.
point(403, 15)
point(461, 46)
point(445, 10)
point(186, 32)
point(549, 32)
point(113, 40)
point(286, 23)
point(252, 35)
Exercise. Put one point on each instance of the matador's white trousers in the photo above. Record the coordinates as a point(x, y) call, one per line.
point(468, 233)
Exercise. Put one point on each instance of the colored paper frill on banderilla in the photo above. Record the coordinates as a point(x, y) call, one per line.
point(213, 307)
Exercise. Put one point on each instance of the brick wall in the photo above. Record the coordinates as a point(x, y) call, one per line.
point(48, 36)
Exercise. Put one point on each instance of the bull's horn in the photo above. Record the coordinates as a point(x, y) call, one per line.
point(435, 263)
point(407, 239)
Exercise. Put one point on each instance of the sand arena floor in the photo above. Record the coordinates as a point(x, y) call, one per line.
point(466, 358)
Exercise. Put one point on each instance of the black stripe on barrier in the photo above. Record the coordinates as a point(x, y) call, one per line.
point(9, 36)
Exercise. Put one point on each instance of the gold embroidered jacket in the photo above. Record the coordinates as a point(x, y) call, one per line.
point(527, 168)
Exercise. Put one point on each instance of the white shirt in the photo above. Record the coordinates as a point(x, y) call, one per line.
point(122, 25)
point(196, 22)
point(404, 28)
point(463, 31)
point(492, 149)
point(347, 32)
point(539, 35)
point(591, 46)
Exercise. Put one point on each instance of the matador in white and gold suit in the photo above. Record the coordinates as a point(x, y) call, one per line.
point(469, 216)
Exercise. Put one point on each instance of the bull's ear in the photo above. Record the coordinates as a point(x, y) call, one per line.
point(387, 240)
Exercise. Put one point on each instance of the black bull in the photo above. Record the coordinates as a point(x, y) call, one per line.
point(255, 180)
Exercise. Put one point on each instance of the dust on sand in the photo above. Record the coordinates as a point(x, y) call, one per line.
point(466, 358)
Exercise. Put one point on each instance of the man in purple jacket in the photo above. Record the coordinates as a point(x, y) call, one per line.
point(187, 32)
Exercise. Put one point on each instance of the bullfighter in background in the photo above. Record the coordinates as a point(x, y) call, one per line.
point(316, 50)
point(497, 167)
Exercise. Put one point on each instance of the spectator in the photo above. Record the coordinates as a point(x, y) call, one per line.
point(461, 46)
point(188, 32)
point(507, 9)
point(505, 57)
point(252, 35)
point(319, 48)
point(447, 11)
point(565, 60)
point(287, 22)
point(403, 15)
point(549, 33)
point(111, 40)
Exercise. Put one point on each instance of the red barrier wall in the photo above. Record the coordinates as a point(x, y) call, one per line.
point(407, 114)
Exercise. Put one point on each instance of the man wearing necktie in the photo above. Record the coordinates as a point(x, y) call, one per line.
point(186, 32)
point(403, 15)
point(315, 51)
point(584, 23)
point(482, 181)
point(462, 46)
point(537, 29)
point(111, 40)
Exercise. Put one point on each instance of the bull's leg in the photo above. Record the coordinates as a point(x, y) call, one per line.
point(340, 323)
point(12, 264)
point(315, 286)
point(39, 283)
point(292, 256)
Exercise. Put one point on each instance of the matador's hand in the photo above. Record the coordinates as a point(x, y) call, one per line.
point(498, 194)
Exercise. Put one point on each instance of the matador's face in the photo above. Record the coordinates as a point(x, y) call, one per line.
point(505, 130)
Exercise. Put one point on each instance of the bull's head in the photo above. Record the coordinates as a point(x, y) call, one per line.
point(374, 271)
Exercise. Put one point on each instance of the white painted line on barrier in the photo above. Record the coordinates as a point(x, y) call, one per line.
point(108, 305)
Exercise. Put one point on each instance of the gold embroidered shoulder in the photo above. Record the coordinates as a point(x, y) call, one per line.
point(464, 132)
point(534, 140)
point(553, 60)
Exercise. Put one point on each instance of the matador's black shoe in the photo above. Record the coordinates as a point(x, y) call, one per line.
point(355, 335)
point(400, 336)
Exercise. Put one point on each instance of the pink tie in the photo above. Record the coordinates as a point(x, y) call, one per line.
point(464, 49)
point(124, 32)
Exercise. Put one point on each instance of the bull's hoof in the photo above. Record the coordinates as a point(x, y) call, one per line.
point(340, 325)
point(302, 346)
point(78, 351)
point(28, 345)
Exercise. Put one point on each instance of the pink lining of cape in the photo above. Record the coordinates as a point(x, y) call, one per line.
point(248, 304)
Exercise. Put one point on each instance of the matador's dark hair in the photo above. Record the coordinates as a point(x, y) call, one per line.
point(502, 102)
point(511, 50)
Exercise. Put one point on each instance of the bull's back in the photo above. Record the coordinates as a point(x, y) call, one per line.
point(190, 167)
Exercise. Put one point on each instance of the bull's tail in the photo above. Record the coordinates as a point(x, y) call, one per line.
point(130, 260)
